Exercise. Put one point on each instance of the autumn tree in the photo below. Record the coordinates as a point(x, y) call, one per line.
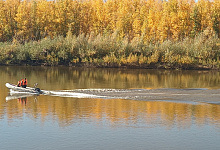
point(216, 17)
point(8, 13)
point(153, 20)
point(23, 20)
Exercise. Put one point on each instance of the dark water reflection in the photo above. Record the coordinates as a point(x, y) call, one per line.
point(72, 78)
point(50, 122)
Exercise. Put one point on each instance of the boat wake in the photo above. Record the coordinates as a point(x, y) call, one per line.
point(70, 94)
point(14, 94)
point(165, 94)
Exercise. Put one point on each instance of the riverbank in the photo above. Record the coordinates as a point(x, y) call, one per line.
point(200, 52)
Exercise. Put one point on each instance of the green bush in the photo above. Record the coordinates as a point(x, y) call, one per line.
point(109, 50)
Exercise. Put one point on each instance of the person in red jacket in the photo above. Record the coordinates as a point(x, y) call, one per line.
point(19, 84)
point(25, 83)
point(22, 82)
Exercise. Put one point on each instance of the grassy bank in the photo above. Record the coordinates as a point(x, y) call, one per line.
point(109, 50)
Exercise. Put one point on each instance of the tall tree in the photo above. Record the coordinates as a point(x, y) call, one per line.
point(216, 17)
point(23, 20)
point(8, 14)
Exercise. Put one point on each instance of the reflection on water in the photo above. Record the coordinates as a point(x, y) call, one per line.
point(69, 110)
point(50, 122)
point(117, 112)
point(59, 78)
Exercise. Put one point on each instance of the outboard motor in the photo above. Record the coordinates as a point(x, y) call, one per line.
point(38, 90)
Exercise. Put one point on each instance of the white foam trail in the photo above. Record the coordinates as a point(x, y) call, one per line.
point(58, 93)
point(72, 94)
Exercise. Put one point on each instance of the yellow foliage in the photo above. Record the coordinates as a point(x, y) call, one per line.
point(132, 59)
point(154, 58)
point(123, 60)
point(155, 20)
point(110, 59)
point(142, 59)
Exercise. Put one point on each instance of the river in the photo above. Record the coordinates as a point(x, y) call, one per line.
point(132, 109)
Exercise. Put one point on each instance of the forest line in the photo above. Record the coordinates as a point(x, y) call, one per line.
point(112, 33)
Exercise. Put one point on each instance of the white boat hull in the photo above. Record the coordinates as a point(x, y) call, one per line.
point(15, 89)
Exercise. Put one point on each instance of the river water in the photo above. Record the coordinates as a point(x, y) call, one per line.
point(131, 109)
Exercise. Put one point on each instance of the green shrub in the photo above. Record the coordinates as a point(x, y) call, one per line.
point(109, 50)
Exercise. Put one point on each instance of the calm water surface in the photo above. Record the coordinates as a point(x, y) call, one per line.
point(57, 123)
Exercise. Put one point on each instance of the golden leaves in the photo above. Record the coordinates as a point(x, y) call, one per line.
point(154, 20)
